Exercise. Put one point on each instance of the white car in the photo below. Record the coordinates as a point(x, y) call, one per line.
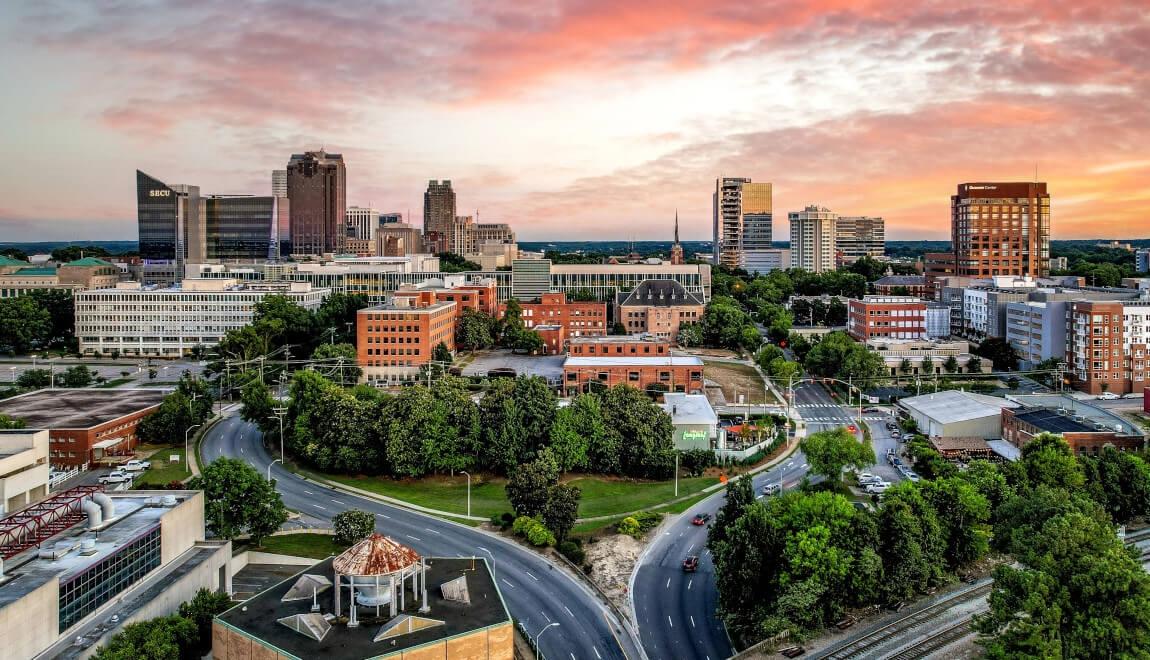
point(913, 477)
point(1108, 396)
point(1133, 395)
point(866, 477)
point(116, 477)
point(135, 466)
point(876, 489)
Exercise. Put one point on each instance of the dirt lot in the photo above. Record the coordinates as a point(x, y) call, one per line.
point(735, 379)
point(614, 558)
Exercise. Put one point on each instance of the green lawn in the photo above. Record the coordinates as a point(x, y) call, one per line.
point(315, 546)
point(162, 471)
point(601, 496)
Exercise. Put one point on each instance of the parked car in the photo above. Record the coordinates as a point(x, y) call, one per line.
point(136, 466)
point(116, 477)
point(1108, 396)
point(876, 489)
point(913, 477)
point(871, 480)
point(691, 564)
point(1133, 395)
point(896, 461)
point(701, 519)
point(772, 489)
point(864, 476)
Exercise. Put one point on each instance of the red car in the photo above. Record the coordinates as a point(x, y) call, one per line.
point(691, 564)
point(701, 519)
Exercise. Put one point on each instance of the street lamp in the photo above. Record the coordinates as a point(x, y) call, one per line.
point(186, 435)
point(468, 492)
point(279, 414)
point(553, 623)
point(270, 468)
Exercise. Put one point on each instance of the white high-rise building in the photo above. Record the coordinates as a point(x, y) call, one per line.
point(813, 239)
point(362, 222)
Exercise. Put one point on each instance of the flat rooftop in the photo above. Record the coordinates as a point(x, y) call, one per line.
point(136, 514)
point(258, 617)
point(1050, 420)
point(422, 309)
point(634, 361)
point(1092, 413)
point(78, 408)
point(951, 406)
point(620, 339)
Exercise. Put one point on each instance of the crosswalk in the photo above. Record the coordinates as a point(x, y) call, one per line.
point(841, 419)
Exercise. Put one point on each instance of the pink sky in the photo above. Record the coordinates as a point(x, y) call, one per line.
point(581, 120)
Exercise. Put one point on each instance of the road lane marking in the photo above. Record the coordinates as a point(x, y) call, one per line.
point(597, 653)
point(412, 537)
point(319, 507)
point(669, 622)
point(507, 583)
point(569, 611)
point(531, 576)
point(428, 529)
point(339, 503)
point(692, 621)
point(689, 549)
point(572, 656)
point(546, 617)
point(309, 492)
point(689, 583)
point(383, 516)
point(668, 583)
point(241, 450)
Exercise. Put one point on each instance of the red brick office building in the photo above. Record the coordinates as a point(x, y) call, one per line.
point(886, 317)
point(578, 318)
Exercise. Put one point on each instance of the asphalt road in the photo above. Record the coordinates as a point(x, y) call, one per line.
point(536, 593)
point(676, 611)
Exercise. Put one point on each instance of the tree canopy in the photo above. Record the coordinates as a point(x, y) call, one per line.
point(832, 451)
point(238, 500)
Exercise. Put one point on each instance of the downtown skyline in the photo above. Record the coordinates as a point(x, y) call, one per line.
point(575, 119)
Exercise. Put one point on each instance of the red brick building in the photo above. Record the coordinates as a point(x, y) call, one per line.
point(472, 294)
point(554, 338)
point(579, 319)
point(935, 267)
point(1001, 229)
point(394, 340)
point(657, 307)
point(85, 426)
point(634, 345)
point(1107, 345)
point(886, 317)
point(1019, 426)
point(902, 285)
point(669, 373)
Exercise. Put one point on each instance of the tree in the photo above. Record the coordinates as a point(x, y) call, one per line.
point(163, 638)
point(562, 509)
point(200, 610)
point(974, 365)
point(529, 486)
point(475, 330)
point(830, 452)
point(340, 361)
point(1120, 482)
point(951, 365)
point(190, 404)
point(1047, 460)
point(449, 262)
point(529, 342)
point(963, 513)
point(63, 255)
point(14, 253)
point(258, 406)
point(24, 324)
point(905, 367)
point(640, 431)
point(571, 434)
point(237, 499)
point(926, 366)
point(442, 354)
point(740, 496)
point(7, 422)
point(512, 323)
point(35, 378)
point(77, 376)
point(352, 526)
point(1000, 353)
point(338, 313)
point(690, 334)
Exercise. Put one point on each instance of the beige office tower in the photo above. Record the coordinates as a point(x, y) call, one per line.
point(282, 240)
point(742, 221)
point(858, 236)
point(813, 239)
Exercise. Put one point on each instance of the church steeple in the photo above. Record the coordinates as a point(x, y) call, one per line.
point(677, 249)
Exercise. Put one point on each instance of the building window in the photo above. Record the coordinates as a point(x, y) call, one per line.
point(87, 591)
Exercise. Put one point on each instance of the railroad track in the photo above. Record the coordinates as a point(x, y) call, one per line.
point(863, 646)
point(938, 640)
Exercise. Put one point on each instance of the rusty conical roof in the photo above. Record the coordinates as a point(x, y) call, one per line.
point(375, 555)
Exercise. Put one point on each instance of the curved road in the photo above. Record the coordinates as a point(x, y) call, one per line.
point(676, 611)
point(536, 593)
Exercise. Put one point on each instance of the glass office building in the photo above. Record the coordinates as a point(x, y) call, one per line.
point(238, 228)
point(158, 218)
point(85, 592)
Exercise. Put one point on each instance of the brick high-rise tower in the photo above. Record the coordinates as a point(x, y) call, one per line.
point(1001, 229)
point(439, 230)
point(317, 197)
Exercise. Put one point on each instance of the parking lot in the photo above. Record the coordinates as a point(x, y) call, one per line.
point(548, 366)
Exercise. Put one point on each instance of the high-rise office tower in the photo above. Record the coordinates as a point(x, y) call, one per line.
point(813, 239)
point(858, 236)
point(362, 223)
point(439, 215)
point(742, 220)
point(167, 219)
point(1001, 229)
point(237, 228)
point(317, 195)
point(281, 242)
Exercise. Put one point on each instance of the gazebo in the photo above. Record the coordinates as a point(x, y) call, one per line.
point(374, 571)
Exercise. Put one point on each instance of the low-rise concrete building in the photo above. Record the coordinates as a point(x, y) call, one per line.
point(957, 414)
point(82, 564)
point(85, 426)
point(695, 422)
point(23, 468)
point(927, 358)
point(19, 277)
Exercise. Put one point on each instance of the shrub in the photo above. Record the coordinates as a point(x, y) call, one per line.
point(630, 527)
point(539, 535)
point(648, 520)
point(522, 524)
point(352, 526)
point(694, 461)
point(573, 551)
point(497, 521)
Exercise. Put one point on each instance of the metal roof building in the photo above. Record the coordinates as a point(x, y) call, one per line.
point(957, 414)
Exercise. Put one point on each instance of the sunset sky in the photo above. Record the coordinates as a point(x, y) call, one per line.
point(580, 120)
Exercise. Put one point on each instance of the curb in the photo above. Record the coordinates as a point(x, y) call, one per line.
point(334, 485)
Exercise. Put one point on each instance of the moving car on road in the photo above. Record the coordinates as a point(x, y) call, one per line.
point(691, 564)
point(701, 519)
point(772, 489)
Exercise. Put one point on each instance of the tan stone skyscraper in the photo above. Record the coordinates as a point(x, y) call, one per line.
point(1001, 229)
point(742, 220)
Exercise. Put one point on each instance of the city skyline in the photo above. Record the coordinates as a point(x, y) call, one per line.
point(591, 119)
